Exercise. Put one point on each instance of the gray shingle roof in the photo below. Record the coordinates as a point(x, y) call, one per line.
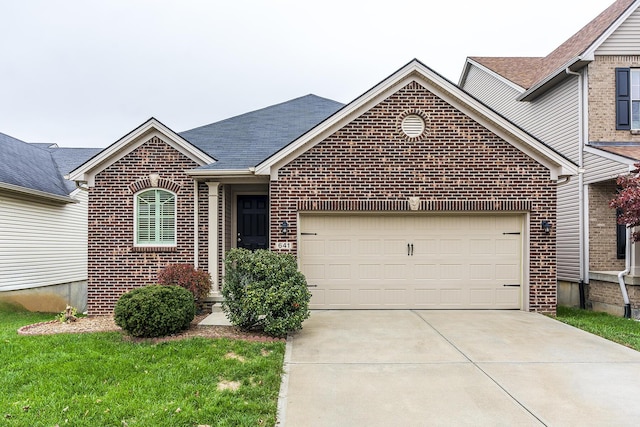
point(40, 166)
point(244, 141)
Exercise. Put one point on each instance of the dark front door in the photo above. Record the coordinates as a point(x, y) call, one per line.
point(253, 222)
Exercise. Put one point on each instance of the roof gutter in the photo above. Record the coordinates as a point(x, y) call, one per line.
point(222, 172)
point(553, 79)
point(24, 191)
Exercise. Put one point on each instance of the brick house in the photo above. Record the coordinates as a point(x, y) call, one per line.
point(414, 195)
point(583, 100)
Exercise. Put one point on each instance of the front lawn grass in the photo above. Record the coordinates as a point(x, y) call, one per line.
point(100, 379)
point(617, 329)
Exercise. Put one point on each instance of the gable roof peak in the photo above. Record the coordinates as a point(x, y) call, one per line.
point(531, 73)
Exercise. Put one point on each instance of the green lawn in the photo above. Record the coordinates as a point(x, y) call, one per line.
point(102, 380)
point(618, 329)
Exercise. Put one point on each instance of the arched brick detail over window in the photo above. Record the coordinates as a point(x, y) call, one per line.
point(154, 182)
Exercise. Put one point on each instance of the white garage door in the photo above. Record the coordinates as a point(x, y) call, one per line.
point(412, 261)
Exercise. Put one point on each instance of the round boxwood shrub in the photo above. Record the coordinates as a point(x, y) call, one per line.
point(155, 311)
point(264, 290)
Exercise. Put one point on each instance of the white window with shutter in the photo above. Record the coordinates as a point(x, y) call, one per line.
point(155, 218)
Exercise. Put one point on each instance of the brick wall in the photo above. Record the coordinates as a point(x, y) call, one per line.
point(602, 228)
point(457, 159)
point(607, 297)
point(602, 100)
point(114, 265)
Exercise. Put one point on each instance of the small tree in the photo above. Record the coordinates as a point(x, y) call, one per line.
point(198, 282)
point(265, 290)
point(628, 200)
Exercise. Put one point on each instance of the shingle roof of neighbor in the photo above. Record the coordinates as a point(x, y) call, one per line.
point(526, 72)
point(244, 141)
point(39, 167)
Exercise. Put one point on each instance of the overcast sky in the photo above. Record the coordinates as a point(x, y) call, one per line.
point(85, 73)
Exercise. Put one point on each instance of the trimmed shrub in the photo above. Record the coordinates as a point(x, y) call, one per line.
point(155, 311)
point(264, 290)
point(198, 282)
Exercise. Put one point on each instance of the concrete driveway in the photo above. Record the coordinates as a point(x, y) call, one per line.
point(430, 368)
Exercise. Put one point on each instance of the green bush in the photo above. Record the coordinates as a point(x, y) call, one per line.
point(155, 311)
point(264, 290)
point(198, 282)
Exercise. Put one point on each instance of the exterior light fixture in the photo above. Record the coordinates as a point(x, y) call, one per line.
point(546, 226)
point(284, 228)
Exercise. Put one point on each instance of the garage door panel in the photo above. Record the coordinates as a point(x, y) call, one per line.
point(481, 272)
point(458, 261)
point(427, 298)
point(339, 272)
point(338, 297)
point(370, 297)
point(370, 247)
point(370, 271)
point(426, 272)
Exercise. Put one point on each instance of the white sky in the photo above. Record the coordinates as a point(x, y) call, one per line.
point(85, 73)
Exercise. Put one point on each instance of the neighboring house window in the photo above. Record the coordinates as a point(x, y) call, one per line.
point(627, 98)
point(155, 218)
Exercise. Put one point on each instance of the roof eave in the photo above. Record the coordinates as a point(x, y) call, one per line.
point(553, 79)
point(489, 71)
point(557, 164)
point(31, 193)
point(86, 171)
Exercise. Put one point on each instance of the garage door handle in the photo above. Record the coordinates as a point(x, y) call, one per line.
point(513, 286)
point(412, 249)
point(408, 249)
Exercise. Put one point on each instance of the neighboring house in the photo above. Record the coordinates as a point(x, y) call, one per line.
point(414, 195)
point(43, 226)
point(583, 100)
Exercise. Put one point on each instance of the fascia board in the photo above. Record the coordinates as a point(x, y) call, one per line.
point(550, 80)
point(204, 173)
point(610, 156)
point(556, 163)
point(471, 62)
point(416, 71)
point(590, 52)
point(29, 193)
point(352, 110)
point(131, 141)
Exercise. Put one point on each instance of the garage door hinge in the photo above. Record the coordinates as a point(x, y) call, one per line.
point(514, 233)
point(516, 286)
point(312, 286)
point(308, 234)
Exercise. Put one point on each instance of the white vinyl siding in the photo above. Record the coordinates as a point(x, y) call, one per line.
point(42, 244)
point(568, 231)
point(623, 41)
point(602, 169)
point(155, 218)
point(553, 118)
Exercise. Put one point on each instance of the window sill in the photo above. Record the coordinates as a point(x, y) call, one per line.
point(635, 131)
point(154, 249)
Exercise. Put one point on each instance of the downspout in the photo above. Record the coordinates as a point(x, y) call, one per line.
point(623, 288)
point(196, 243)
point(582, 137)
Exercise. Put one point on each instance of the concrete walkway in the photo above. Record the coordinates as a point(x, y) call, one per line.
point(444, 368)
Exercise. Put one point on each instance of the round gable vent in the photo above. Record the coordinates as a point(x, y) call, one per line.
point(412, 125)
